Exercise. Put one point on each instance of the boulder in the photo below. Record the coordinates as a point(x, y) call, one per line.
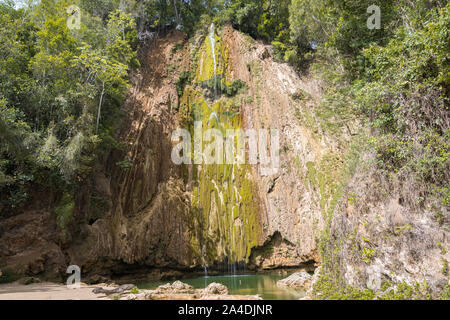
point(299, 280)
point(180, 286)
point(164, 287)
point(176, 287)
point(216, 289)
point(120, 290)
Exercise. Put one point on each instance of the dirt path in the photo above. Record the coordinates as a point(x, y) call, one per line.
point(47, 291)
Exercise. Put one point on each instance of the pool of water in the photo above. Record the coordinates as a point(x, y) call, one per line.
point(264, 285)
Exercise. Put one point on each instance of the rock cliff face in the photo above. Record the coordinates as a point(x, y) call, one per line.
point(151, 213)
point(292, 219)
point(149, 222)
point(141, 211)
point(191, 216)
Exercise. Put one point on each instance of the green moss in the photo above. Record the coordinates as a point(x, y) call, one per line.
point(311, 173)
point(64, 213)
point(402, 229)
point(367, 255)
point(205, 71)
point(8, 276)
point(404, 291)
point(225, 213)
point(183, 80)
point(326, 288)
point(446, 293)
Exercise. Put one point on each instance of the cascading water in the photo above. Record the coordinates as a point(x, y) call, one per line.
point(212, 39)
point(227, 217)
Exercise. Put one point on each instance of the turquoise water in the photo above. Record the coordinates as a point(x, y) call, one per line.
point(264, 285)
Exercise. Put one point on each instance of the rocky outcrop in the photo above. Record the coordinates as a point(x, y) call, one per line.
point(298, 280)
point(290, 211)
point(177, 287)
point(384, 241)
point(29, 245)
point(216, 289)
point(120, 290)
point(149, 223)
point(181, 291)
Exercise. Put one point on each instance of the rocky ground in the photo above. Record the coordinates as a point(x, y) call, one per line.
point(177, 291)
point(181, 291)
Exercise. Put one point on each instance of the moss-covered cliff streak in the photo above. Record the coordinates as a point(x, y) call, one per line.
point(224, 201)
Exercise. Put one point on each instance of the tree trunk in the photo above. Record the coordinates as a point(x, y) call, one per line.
point(176, 12)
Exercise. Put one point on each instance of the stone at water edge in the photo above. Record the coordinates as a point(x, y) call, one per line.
point(176, 287)
point(120, 290)
point(299, 280)
point(216, 289)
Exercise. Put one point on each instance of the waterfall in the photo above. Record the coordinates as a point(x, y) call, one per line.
point(212, 39)
point(218, 198)
point(205, 268)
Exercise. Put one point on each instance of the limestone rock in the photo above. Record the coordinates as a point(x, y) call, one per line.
point(314, 280)
point(297, 280)
point(182, 291)
point(216, 288)
point(263, 53)
point(176, 287)
point(120, 290)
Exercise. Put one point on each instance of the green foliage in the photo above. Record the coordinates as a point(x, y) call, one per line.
point(404, 95)
point(326, 288)
point(53, 84)
point(135, 290)
point(446, 293)
point(262, 19)
point(64, 213)
point(367, 255)
point(183, 80)
point(125, 165)
point(237, 86)
point(404, 291)
point(8, 276)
